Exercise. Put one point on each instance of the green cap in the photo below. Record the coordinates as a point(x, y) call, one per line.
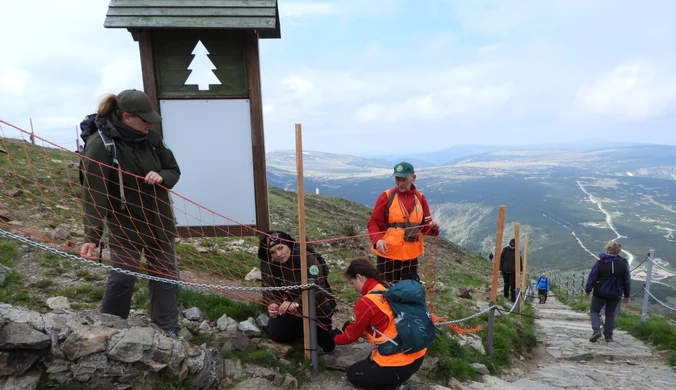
point(403, 169)
point(137, 103)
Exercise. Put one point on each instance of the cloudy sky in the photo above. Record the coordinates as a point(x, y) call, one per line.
point(385, 76)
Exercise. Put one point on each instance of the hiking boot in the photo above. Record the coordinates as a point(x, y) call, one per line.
point(609, 339)
point(174, 333)
point(595, 336)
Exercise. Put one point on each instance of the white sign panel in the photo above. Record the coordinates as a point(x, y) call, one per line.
point(211, 140)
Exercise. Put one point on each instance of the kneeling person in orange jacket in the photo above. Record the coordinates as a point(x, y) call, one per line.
point(374, 319)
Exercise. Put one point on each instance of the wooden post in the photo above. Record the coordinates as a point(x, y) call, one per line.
point(517, 262)
point(301, 234)
point(524, 282)
point(498, 250)
point(77, 139)
point(32, 132)
point(494, 284)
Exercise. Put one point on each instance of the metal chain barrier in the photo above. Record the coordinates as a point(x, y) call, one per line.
point(307, 286)
point(80, 259)
point(658, 301)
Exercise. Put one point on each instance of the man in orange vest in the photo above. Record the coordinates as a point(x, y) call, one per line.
point(399, 219)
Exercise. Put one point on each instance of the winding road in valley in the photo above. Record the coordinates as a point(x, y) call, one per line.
point(609, 221)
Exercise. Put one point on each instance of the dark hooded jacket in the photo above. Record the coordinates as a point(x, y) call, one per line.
point(147, 214)
point(289, 274)
point(507, 260)
point(603, 270)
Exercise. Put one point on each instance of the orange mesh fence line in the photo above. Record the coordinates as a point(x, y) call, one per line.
point(41, 198)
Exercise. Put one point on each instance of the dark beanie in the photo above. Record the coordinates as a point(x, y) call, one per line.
point(268, 240)
point(512, 242)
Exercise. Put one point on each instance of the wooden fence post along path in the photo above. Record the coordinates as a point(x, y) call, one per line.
point(309, 326)
point(524, 281)
point(517, 264)
point(496, 271)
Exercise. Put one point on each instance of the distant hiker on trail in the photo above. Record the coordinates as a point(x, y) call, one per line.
point(490, 257)
point(134, 197)
point(374, 319)
point(609, 279)
point(400, 217)
point(508, 268)
point(543, 287)
point(281, 266)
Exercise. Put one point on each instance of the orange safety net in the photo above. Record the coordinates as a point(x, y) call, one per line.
point(43, 199)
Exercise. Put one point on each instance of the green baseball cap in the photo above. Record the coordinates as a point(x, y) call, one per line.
point(137, 103)
point(403, 169)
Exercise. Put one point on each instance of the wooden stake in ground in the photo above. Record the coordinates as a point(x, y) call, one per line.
point(77, 139)
point(301, 234)
point(32, 132)
point(524, 281)
point(498, 250)
point(517, 259)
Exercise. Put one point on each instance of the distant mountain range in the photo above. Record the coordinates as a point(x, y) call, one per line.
point(569, 202)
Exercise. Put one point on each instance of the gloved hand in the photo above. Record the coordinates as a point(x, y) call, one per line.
point(334, 332)
point(345, 325)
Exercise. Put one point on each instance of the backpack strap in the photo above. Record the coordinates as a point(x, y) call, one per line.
point(110, 146)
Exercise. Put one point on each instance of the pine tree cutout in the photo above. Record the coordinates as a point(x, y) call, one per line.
point(201, 69)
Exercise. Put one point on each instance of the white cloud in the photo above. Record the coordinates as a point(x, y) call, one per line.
point(633, 91)
point(13, 80)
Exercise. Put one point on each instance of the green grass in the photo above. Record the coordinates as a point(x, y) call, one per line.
point(513, 335)
point(656, 330)
point(213, 306)
point(84, 296)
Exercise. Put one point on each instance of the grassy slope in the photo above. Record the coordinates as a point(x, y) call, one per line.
point(47, 180)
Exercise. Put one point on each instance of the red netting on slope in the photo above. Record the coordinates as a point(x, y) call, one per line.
point(41, 197)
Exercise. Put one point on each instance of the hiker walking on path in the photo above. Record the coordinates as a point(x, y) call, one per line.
point(609, 279)
point(374, 319)
point(508, 268)
point(400, 217)
point(127, 170)
point(543, 287)
point(281, 266)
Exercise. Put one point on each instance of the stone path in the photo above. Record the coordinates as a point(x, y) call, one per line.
point(572, 362)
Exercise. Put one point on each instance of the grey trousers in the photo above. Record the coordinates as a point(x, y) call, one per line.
point(594, 312)
point(119, 286)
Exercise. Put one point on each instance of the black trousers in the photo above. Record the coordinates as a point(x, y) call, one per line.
point(394, 270)
point(543, 295)
point(510, 285)
point(369, 375)
point(289, 328)
point(119, 286)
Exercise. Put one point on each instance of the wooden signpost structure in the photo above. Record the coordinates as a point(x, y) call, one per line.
point(201, 68)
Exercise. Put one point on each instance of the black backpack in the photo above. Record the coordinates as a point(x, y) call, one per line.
point(612, 287)
point(88, 128)
point(322, 264)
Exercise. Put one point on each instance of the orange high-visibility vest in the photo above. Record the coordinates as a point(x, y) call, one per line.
point(397, 247)
point(375, 338)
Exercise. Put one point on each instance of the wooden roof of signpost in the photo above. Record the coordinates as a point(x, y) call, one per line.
point(260, 15)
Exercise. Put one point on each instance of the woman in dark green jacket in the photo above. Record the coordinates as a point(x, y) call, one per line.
point(127, 169)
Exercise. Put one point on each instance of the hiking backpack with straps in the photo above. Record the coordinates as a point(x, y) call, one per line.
point(88, 128)
point(612, 287)
point(415, 329)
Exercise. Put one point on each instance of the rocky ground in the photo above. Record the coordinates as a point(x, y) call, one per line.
point(569, 361)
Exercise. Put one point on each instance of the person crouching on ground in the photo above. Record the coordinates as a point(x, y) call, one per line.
point(543, 287)
point(281, 266)
point(373, 312)
point(608, 265)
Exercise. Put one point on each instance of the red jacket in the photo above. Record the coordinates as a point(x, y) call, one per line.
point(366, 313)
point(377, 221)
